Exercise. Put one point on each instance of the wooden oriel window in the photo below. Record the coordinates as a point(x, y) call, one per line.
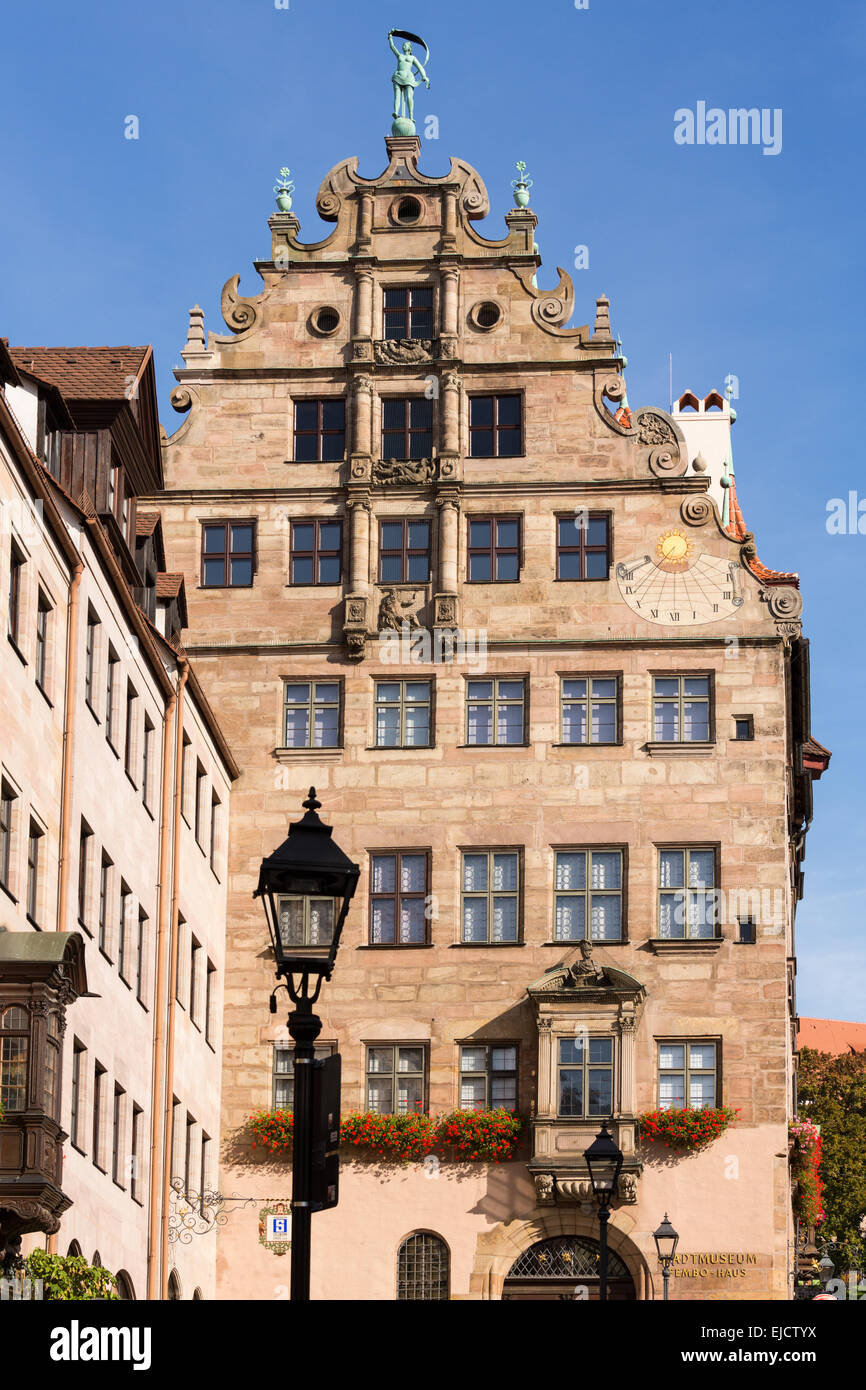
point(398, 899)
point(312, 714)
point(404, 551)
point(16, 576)
point(585, 1077)
point(495, 426)
point(407, 428)
point(320, 430)
point(583, 545)
point(408, 312)
point(590, 709)
point(396, 1078)
point(403, 714)
point(681, 709)
point(588, 895)
point(688, 901)
point(227, 554)
point(488, 1077)
point(494, 549)
point(490, 899)
point(317, 552)
point(687, 1075)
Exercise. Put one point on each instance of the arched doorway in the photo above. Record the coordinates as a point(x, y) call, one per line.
point(566, 1267)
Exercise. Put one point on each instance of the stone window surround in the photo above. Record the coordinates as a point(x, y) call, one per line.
point(575, 675)
point(524, 677)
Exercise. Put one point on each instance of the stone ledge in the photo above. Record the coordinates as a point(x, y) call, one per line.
point(679, 750)
point(661, 945)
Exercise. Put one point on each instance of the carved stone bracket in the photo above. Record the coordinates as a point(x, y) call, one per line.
point(239, 313)
point(356, 625)
point(403, 472)
point(658, 434)
point(550, 1188)
point(696, 511)
point(360, 469)
point(405, 351)
point(446, 610)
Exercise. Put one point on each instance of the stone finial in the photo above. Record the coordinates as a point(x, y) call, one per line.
point(195, 339)
point(602, 317)
point(699, 464)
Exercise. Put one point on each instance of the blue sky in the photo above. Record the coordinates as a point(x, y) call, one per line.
point(732, 260)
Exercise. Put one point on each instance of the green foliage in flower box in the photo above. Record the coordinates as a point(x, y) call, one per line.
point(685, 1130)
point(473, 1136)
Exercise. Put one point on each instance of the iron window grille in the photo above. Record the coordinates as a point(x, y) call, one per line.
point(422, 1269)
point(583, 546)
point(681, 709)
point(493, 549)
point(590, 709)
point(407, 428)
point(488, 1077)
point(227, 554)
point(687, 1075)
point(398, 899)
point(566, 1257)
point(490, 905)
point(495, 426)
point(396, 1079)
point(311, 714)
point(585, 1077)
point(404, 551)
point(316, 552)
point(589, 890)
point(403, 714)
point(688, 901)
point(495, 712)
point(320, 430)
point(408, 311)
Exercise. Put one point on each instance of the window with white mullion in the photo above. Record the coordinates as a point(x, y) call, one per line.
point(687, 1075)
point(687, 894)
point(490, 897)
point(488, 1077)
point(588, 889)
point(398, 890)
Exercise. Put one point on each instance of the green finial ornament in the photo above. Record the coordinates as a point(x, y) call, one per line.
point(521, 185)
point(404, 80)
point(284, 190)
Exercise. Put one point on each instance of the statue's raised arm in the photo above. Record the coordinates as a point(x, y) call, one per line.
point(394, 49)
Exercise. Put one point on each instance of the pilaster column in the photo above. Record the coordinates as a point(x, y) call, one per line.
point(449, 219)
point(359, 581)
point(626, 1073)
point(448, 546)
point(450, 282)
point(451, 413)
point(362, 438)
point(365, 218)
point(364, 304)
point(546, 1107)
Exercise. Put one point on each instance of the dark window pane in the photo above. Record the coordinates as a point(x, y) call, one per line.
point(392, 572)
point(509, 410)
point(306, 448)
point(481, 410)
point(596, 531)
point(596, 565)
point(329, 536)
point(570, 1093)
point(420, 446)
point(479, 568)
point(306, 415)
point(506, 567)
point(421, 323)
point(242, 572)
point(421, 298)
point(479, 533)
point(392, 535)
point(419, 569)
point(393, 445)
point(214, 572)
point(329, 570)
point(421, 413)
point(393, 415)
point(302, 536)
point(334, 415)
point(214, 540)
point(333, 447)
point(481, 442)
point(509, 443)
point(419, 535)
point(394, 298)
point(569, 531)
point(242, 540)
point(569, 565)
point(507, 533)
point(302, 571)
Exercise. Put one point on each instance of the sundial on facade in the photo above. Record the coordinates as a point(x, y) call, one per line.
point(679, 584)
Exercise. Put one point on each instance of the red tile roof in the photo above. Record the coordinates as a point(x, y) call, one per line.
point(85, 373)
point(832, 1035)
point(146, 523)
point(738, 529)
point(169, 585)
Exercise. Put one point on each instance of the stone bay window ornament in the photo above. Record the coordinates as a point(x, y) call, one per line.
point(404, 80)
point(284, 189)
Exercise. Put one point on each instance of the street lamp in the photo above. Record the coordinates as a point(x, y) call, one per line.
point(307, 885)
point(666, 1247)
point(604, 1161)
point(826, 1269)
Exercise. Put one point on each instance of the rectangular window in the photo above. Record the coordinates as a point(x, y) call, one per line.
point(135, 1156)
point(306, 921)
point(227, 554)
point(91, 658)
point(111, 694)
point(140, 949)
point(123, 928)
point(398, 899)
point(129, 732)
point(16, 580)
point(320, 431)
point(147, 761)
point(117, 1146)
point(105, 903)
point(33, 838)
point(681, 709)
point(583, 545)
point(590, 706)
point(284, 1072)
point(185, 762)
point(43, 611)
point(687, 896)
point(396, 1079)
point(98, 1101)
point(181, 960)
point(409, 312)
point(14, 1046)
point(317, 552)
point(746, 931)
point(494, 549)
point(209, 1001)
point(588, 888)
point(407, 428)
point(744, 727)
point(187, 1154)
point(199, 802)
point(204, 1171)
point(312, 714)
point(194, 982)
point(687, 1075)
point(491, 896)
point(403, 714)
point(52, 1068)
point(585, 1077)
point(79, 1053)
point(7, 811)
point(404, 552)
point(214, 828)
point(495, 426)
point(495, 712)
point(488, 1077)
point(84, 847)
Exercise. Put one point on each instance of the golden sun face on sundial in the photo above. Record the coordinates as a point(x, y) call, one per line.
point(674, 551)
point(679, 585)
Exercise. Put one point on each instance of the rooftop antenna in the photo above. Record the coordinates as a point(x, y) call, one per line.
point(671, 371)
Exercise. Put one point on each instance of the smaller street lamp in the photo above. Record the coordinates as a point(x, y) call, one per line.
point(666, 1247)
point(826, 1269)
point(604, 1161)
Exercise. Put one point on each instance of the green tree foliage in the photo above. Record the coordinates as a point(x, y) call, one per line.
point(70, 1277)
point(832, 1094)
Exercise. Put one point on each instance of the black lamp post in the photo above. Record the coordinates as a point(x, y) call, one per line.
point(604, 1161)
point(666, 1247)
point(307, 885)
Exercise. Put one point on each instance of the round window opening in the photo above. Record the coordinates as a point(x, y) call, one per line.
point(408, 210)
point(326, 320)
point(487, 315)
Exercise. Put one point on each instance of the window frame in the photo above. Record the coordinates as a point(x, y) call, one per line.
point(35, 833)
point(317, 553)
point(106, 885)
point(589, 700)
point(687, 1070)
point(91, 659)
point(406, 1252)
point(407, 429)
point(406, 552)
point(406, 309)
point(15, 607)
point(402, 704)
point(397, 897)
point(494, 550)
point(582, 549)
point(228, 554)
point(588, 850)
point(488, 1073)
point(491, 892)
point(701, 847)
point(280, 1047)
point(44, 609)
point(20, 1060)
point(112, 670)
point(585, 1067)
point(495, 428)
point(495, 700)
point(8, 812)
point(312, 682)
point(424, 1048)
point(320, 432)
point(681, 699)
point(86, 841)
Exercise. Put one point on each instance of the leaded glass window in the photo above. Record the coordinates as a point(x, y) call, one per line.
point(589, 889)
point(687, 894)
point(422, 1268)
point(491, 896)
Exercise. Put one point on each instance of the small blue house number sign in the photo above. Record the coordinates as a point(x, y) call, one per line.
point(275, 1228)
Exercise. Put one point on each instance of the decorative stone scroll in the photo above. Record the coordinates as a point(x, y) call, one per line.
point(784, 602)
point(696, 511)
point(239, 313)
